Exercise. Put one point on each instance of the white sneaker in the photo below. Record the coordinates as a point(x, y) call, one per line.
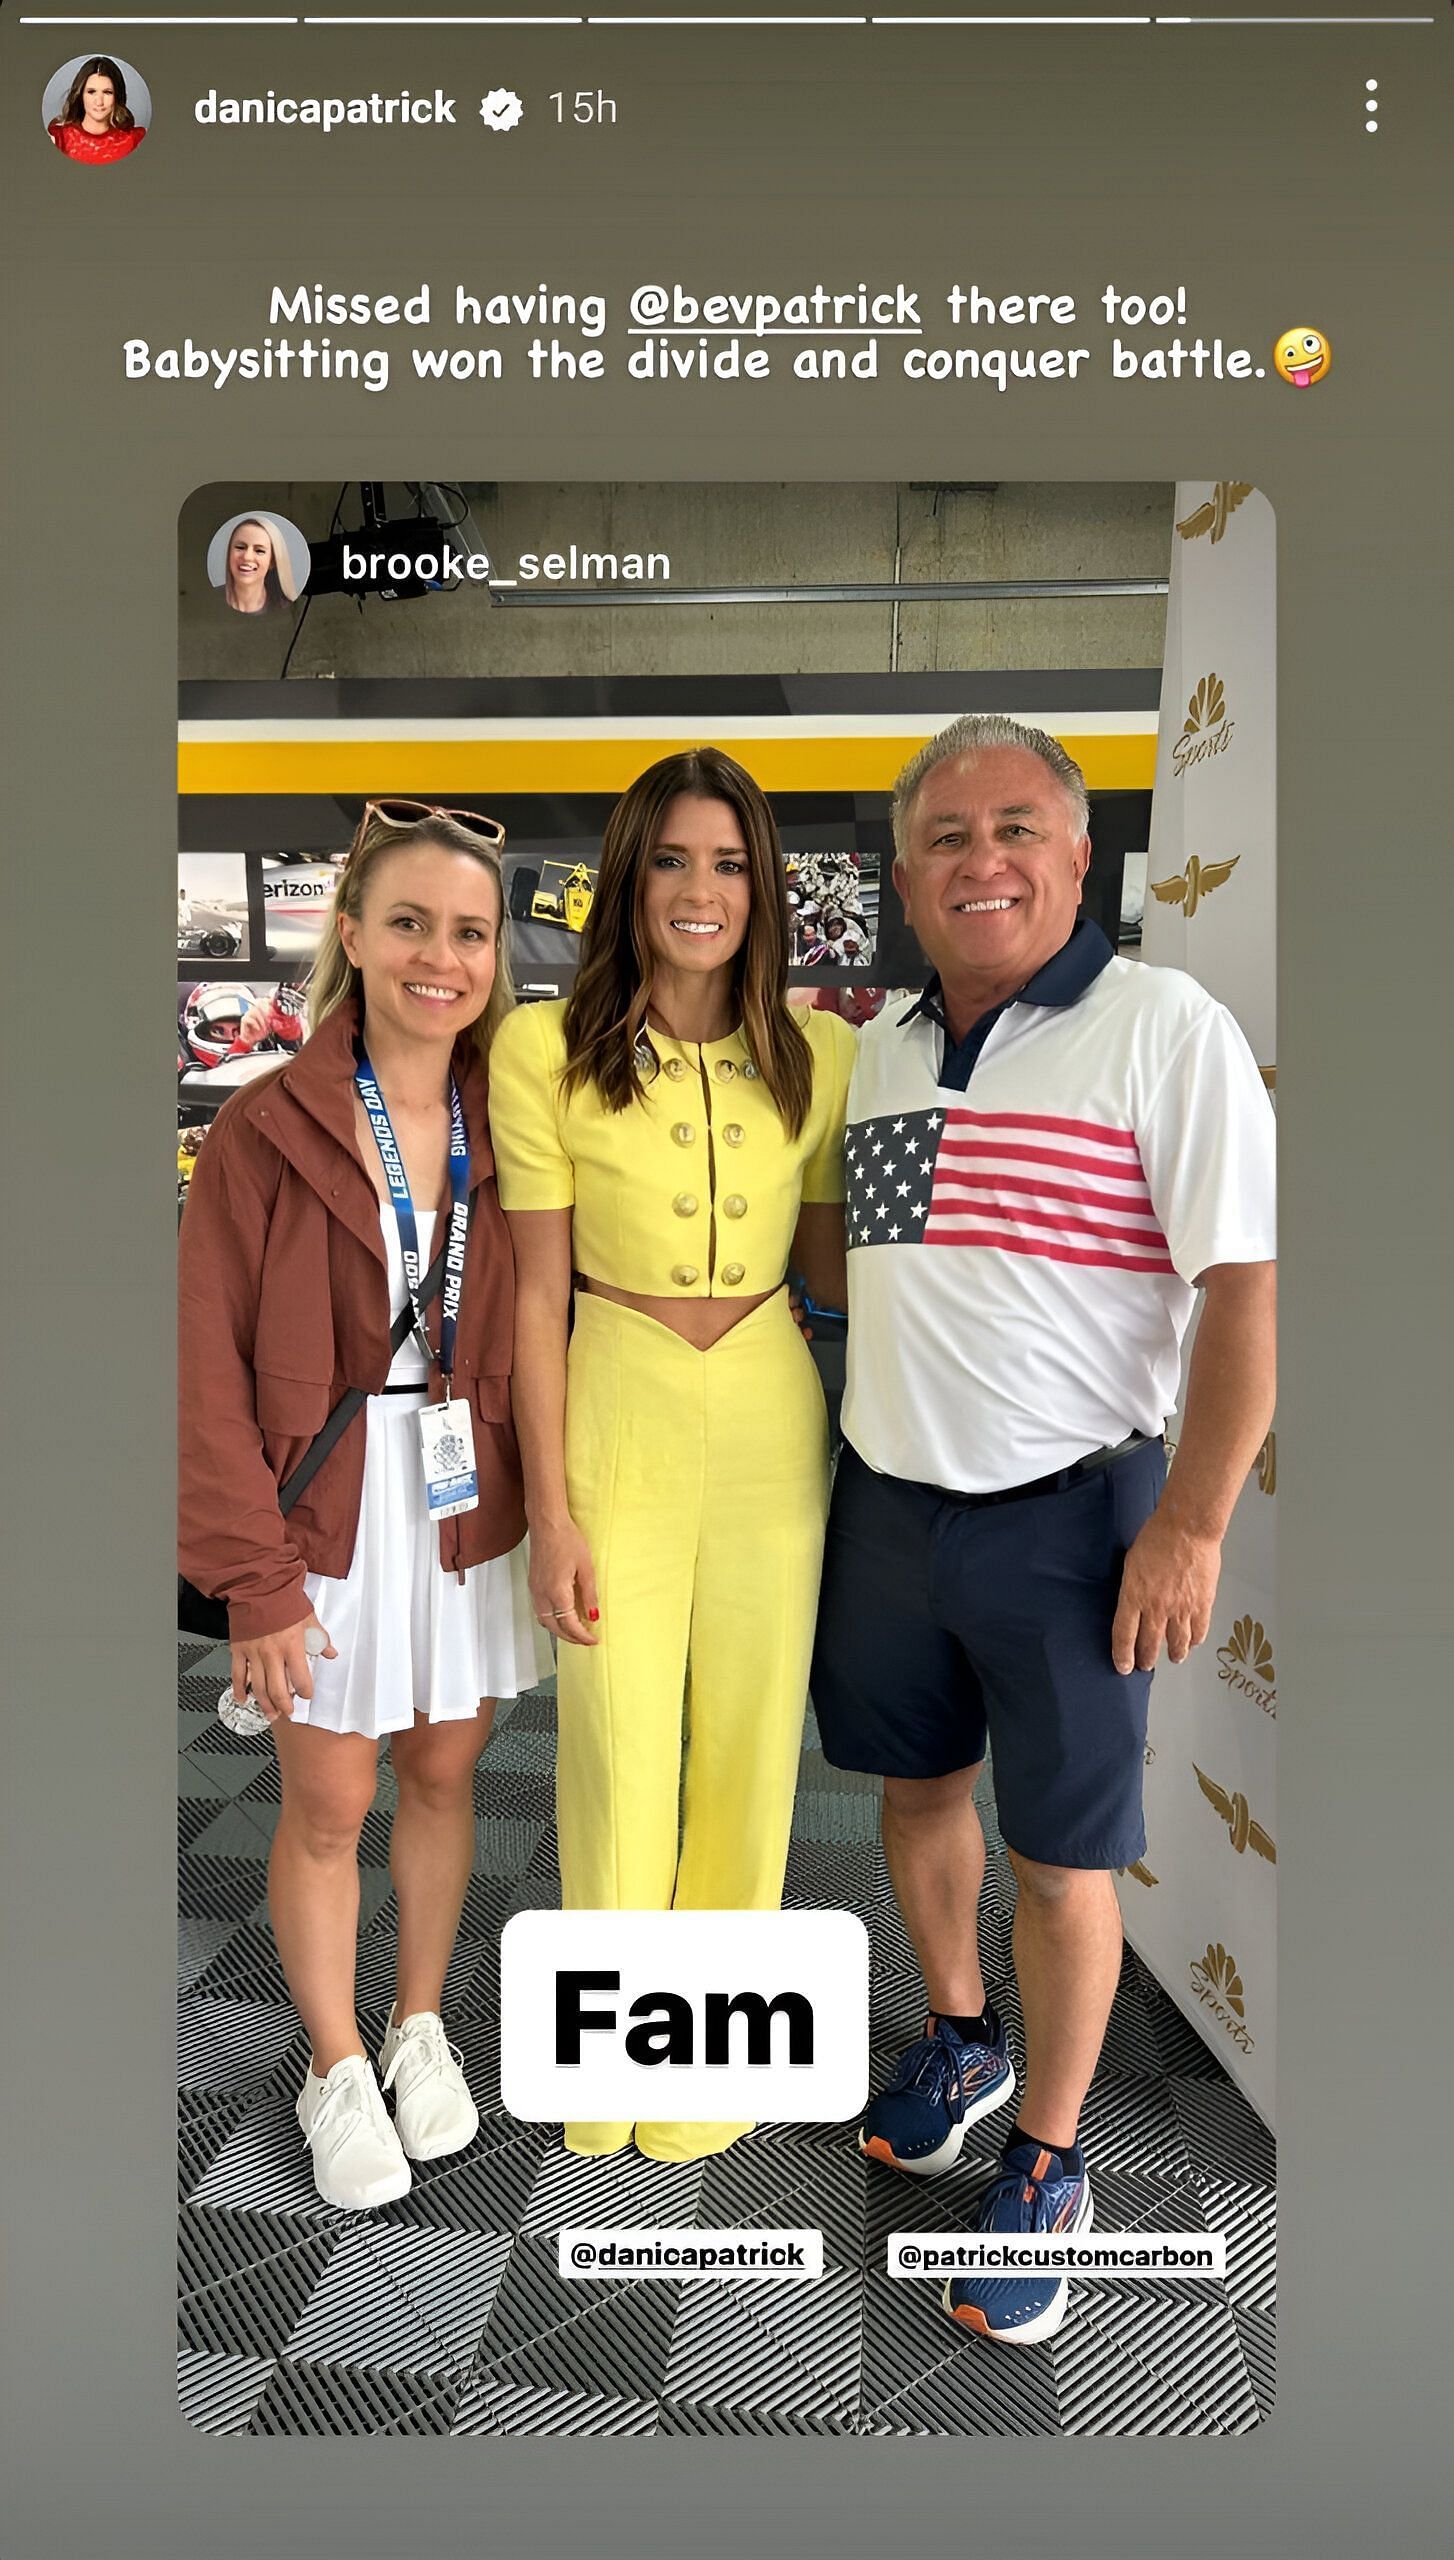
point(356, 2155)
point(433, 2109)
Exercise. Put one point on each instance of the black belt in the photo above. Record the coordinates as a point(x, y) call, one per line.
point(1060, 1482)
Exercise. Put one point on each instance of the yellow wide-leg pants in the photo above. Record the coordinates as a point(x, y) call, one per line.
point(700, 1480)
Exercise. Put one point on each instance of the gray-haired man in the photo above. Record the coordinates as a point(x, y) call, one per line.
point(1049, 1153)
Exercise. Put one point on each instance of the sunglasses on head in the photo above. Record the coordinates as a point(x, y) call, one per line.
point(407, 813)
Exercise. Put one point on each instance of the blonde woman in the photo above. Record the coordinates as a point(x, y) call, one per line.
point(376, 1608)
point(259, 576)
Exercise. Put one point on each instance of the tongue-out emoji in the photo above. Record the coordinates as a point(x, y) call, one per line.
point(1302, 356)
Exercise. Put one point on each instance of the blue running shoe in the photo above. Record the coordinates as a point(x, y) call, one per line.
point(942, 2085)
point(1033, 2193)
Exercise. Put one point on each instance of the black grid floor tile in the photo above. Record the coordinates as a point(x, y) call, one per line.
point(1158, 2359)
point(355, 2400)
point(195, 1814)
point(225, 2044)
point(1257, 2331)
point(493, 2408)
point(246, 2279)
point(263, 2167)
point(232, 1773)
point(923, 2376)
point(219, 2394)
point(204, 2122)
point(593, 2336)
point(620, 2189)
point(412, 2299)
point(445, 2313)
point(199, 1943)
point(789, 2349)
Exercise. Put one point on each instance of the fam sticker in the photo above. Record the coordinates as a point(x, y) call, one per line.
point(695, 2015)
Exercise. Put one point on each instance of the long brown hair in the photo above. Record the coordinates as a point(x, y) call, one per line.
point(74, 110)
point(333, 977)
point(605, 1015)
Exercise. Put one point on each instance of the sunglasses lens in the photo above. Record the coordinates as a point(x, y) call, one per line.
point(489, 828)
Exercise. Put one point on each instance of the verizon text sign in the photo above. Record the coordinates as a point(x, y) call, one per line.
point(698, 2015)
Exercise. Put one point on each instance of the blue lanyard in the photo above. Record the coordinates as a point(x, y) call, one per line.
point(403, 1205)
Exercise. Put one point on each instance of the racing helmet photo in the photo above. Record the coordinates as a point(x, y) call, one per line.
point(212, 1019)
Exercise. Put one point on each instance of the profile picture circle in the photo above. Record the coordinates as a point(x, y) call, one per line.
point(96, 108)
point(259, 561)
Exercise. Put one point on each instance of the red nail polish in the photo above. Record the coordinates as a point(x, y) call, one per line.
point(595, 1613)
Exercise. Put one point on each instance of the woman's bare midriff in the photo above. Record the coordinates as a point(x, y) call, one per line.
point(699, 1321)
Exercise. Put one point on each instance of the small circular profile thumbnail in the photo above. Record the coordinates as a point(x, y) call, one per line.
point(96, 109)
point(260, 562)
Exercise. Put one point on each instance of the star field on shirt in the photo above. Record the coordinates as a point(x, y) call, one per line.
point(1024, 1182)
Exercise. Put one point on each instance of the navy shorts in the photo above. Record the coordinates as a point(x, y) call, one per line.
point(942, 1625)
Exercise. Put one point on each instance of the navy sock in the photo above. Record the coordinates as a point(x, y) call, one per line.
point(985, 2029)
point(1069, 2154)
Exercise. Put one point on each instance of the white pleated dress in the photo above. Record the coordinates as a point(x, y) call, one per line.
point(412, 1639)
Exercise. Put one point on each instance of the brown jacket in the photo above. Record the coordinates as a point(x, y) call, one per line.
point(284, 1303)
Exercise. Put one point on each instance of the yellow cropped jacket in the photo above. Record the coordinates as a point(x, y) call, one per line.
point(694, 1191)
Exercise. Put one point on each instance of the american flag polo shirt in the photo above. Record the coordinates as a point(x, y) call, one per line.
point(1028, 1215)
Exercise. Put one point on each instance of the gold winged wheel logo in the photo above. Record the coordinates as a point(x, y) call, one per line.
point(1219, 1969)
point(1198, 881)
point(1211, 517)
point(1242, 1831)
point(1267, 1464)
point(1140, 1871)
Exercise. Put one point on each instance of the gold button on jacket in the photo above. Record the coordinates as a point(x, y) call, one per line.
point(620, 1172)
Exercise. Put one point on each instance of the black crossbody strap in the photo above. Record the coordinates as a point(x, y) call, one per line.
point(348, 1404)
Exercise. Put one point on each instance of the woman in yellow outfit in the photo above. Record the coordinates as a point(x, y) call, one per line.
point(666, 1141)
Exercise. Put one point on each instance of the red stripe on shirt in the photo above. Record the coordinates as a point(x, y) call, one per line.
point(1043, 1120)
point(1039, 1155)
point(934, 1234)
point(949, 1178)
point(946, 1209)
